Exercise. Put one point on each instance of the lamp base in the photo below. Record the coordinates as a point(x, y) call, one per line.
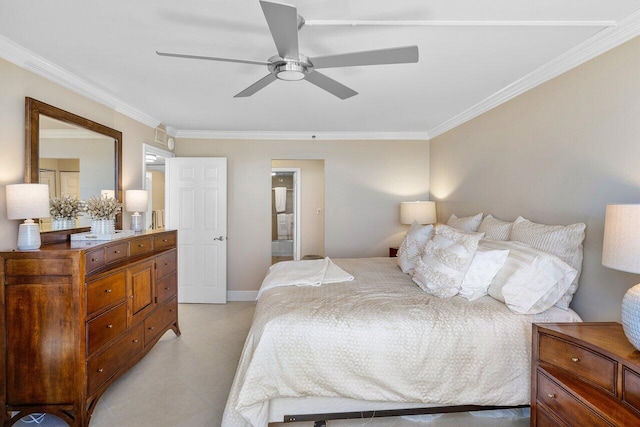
point(631, 315)
point(29, 236)
point(136, 222)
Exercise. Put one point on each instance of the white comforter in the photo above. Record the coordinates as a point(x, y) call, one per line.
point(380, 338)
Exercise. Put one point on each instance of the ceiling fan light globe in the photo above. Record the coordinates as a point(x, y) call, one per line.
point(290, 72)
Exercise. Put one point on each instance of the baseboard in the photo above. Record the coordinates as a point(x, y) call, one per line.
point(242, 295)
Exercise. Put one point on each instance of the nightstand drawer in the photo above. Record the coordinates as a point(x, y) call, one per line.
point(106, 291)
point(141, 246)
point(560, 401)
point(631, 388)
point(579, 361)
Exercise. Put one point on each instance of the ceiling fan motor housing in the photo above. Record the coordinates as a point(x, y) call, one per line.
point(290, 69)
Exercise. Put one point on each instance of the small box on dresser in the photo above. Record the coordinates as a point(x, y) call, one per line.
point(76, 315)
point(584, 374)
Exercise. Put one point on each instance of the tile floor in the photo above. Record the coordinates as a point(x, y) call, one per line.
point(185, 381)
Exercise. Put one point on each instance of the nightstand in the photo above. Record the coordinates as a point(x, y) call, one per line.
point(584, 374)
point(393, 252)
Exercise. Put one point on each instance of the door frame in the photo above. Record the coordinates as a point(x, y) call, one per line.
point(150, 149)
point(297, 233)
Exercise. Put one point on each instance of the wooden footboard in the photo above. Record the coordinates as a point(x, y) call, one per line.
point(319, 418)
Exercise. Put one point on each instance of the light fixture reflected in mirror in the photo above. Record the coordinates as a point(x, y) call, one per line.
point(136, 202)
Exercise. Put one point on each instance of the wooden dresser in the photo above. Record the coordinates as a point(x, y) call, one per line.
point(76, 315)
point(584, 374)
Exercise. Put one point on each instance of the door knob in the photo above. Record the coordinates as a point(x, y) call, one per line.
point(221, 238)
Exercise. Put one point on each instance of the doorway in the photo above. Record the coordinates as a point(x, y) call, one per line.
point(297, 225)
point(285, 214)
point(153, 178)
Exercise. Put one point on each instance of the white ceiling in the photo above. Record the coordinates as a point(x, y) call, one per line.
point(474, 54)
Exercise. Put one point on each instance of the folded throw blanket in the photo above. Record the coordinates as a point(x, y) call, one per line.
point(303, 273)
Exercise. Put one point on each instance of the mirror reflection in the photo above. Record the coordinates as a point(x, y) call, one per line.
point(154, 183)
point(74, 161)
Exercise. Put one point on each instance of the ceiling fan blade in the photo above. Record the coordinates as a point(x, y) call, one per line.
point(330, 85)
point(283, 24)
point(211, 58)
point(260, 84)
point(394, 55)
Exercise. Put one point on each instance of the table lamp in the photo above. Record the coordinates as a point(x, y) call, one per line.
point(28, 201)
point(423, 212)
point(621, 251)
point(136, 202)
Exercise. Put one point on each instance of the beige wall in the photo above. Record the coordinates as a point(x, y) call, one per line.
point(17, 83)
point(311, 198)
point(557, 154)
point(365, 181)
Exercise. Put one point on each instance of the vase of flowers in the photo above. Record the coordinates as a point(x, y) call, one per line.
point(103, 211)
point(64, 211)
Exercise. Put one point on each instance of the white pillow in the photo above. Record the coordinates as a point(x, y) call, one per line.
point(485, 265)
point(412, 245)
point(445, 261)
point(494, 228)
point(467, 223)
point(565, 242)
point(531, 281)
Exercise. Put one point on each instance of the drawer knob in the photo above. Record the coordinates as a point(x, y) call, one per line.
point(164, 240)
point(166, 263)
point(575, 359)
point(171, 310)
point(109, 326)
point(551, 396)
point(108, 291)
point(116, 252)
point(151, 328)
point(166, 289)
point(100, 370)
point(140, 245)
point(93, 260)
point(135, 341)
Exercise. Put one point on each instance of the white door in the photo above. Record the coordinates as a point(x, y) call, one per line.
point(196, 206)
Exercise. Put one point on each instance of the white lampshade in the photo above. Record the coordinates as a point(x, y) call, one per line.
point(621, 251)
point(621, 245)
point(136, 200)
point(28, 201)
point(423, 212)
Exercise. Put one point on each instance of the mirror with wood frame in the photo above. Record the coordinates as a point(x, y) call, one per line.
point(74, 155)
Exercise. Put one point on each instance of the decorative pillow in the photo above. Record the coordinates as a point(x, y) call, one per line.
point(531, 281)
point(565, 242)
point(468, 223)
point(412, 245)
point(485, 265)
point(445, 261)
point(494, 228)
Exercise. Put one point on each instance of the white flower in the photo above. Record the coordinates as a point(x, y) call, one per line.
point(103, 207)
point(66, 207)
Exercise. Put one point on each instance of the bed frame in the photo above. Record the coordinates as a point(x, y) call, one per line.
point(320, 420)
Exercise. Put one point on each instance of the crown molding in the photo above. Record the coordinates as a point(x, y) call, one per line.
point(206, 134)
point(28, 60)
point(603, 41)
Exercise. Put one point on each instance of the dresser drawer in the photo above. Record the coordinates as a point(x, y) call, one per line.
point(117, 252)
point(141, 246)
point(167, 287)
point(543, 419)
point(106, 291)
point(94, 260)
point(584, 363)
point(163, 316)
point(165, 241)
point(165, 264)
point(105, 327)
point(105, 365)
point(631, 388)
point(560, 401)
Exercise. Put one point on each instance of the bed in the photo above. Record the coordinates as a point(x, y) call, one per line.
point(378, 343)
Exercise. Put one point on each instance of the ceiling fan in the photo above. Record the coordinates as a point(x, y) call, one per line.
point(289, 64)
